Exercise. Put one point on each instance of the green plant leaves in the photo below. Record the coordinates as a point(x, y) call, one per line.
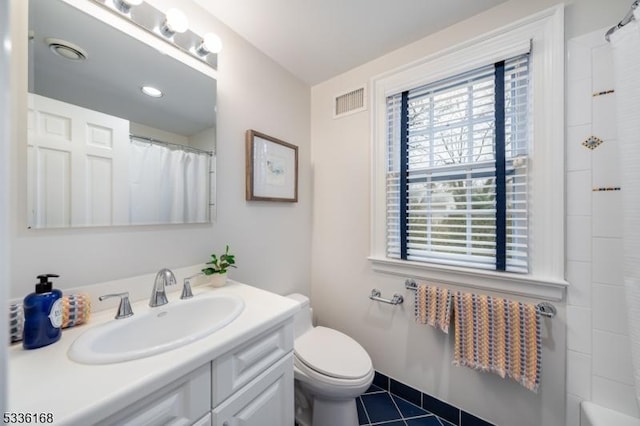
point(221, 264)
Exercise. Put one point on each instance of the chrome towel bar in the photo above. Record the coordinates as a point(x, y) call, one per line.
point(546, 309)
point(376, 295)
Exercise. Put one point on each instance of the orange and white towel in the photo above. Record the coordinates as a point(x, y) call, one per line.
point(76, 310)
point(498, 335)
point(433, 306)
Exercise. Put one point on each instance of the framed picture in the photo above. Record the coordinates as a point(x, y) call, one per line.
point(272, 168)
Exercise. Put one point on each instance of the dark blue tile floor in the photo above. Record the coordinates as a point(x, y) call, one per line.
point(379, 407)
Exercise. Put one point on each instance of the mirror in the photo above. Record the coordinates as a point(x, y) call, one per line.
point(100, 152)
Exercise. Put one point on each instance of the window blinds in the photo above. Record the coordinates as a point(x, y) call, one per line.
point(457, 169)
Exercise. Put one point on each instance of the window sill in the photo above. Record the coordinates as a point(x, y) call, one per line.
point(527, 285)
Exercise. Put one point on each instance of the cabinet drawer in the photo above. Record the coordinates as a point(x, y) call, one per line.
point(266, 400)
point(182, 402)
point(233, 370)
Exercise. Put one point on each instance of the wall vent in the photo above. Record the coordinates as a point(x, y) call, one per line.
point(350, 102)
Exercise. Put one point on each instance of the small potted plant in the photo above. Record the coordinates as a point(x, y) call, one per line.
point(218, 269)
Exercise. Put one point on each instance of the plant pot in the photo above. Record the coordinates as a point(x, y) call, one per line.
point(218, 280)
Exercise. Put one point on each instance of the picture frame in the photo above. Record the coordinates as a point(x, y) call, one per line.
point(271, 169)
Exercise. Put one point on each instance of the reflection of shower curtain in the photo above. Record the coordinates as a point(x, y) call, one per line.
point(196, 184)
point(626, 61)
point(168, 185)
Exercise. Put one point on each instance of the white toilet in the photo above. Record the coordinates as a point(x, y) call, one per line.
point(331, 370)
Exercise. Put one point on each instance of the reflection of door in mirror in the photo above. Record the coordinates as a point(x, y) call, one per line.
point(82, 161)
point(78, 162)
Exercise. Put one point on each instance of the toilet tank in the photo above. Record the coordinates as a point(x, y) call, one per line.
point(302, 319)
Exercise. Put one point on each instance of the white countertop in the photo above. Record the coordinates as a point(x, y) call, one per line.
point(45, 380)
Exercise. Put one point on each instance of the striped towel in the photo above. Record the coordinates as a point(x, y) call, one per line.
point(76, 309)
point(498, 335)
point(433, 306)
point(16, 322)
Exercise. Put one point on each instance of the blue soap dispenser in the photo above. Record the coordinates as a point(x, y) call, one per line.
point(42, 315)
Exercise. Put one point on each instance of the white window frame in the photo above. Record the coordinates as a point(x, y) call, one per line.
point(545, 32)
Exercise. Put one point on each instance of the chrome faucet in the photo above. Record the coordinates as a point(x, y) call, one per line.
point(158, 295)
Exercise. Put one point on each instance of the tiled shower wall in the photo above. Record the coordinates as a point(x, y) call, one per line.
point(598, 353)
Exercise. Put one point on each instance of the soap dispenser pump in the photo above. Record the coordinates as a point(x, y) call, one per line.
point(42, 314)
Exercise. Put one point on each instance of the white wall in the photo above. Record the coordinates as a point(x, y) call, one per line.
point(5, 137)
point(271, 240)
point(341, 275)
point(599, 355)
point(205, 140)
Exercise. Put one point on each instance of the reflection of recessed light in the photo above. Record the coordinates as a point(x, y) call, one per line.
point(66, 49)
point(151, 91)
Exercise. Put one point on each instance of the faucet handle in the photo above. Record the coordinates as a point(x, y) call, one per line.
point(186, 288)
point(124, 309)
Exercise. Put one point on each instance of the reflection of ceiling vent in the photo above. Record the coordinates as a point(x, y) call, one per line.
point(66, 49)
point(350, 102)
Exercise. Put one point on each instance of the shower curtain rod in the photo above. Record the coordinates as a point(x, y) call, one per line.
point(627, 18)
point(170, 144)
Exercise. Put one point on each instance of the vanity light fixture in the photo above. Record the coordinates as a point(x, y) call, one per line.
point(125, 6)
point(151, 91)
point(165, 24)
point(210, 43)
point(175, 22)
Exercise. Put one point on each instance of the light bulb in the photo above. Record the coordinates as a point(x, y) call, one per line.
point(211, 43)
point(175, 22)
point(125, 5)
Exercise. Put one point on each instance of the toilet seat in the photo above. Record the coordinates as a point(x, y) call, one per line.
point(329, 354)
point(316, 379)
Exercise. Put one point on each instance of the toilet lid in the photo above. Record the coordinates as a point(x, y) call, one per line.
point(332, 353)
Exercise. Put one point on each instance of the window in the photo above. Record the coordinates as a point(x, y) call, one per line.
point(478, 204)
point(457, 169)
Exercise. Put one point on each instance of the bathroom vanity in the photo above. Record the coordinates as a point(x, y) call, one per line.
point(240, 373)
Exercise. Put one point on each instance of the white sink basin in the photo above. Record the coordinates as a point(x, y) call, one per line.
point(160, 329)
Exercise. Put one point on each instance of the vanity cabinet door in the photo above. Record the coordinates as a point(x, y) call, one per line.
point(266, 400)
point(205, 421)
point(235, 369)
point(182, 402)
